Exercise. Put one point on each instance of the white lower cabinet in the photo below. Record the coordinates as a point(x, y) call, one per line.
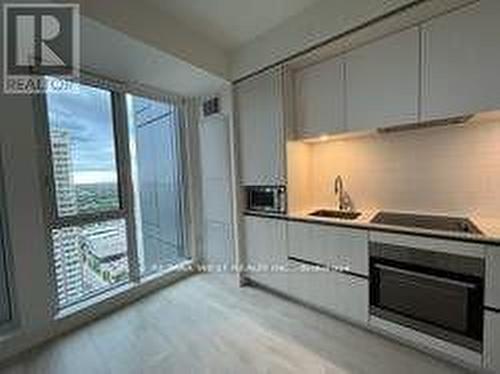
point(330, 245)
point(341, 294)
point(266, 251)
point(350, 296)
point(492, 320)
point(269, 242)
point(335, 248)
point(492, 341)
point(493, 277)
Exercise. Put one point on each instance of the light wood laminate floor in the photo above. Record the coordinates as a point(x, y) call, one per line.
point(205, 324)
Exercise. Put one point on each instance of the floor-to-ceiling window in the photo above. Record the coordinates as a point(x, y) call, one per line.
point(154, 129)
point(89, 241)
point(106, 231)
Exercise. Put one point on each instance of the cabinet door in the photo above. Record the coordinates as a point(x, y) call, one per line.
point(260, 116)
point(345, 248)
point(461, 60)
point(493, 277)
point(492, 341)
point(337, 247)
point(350, 296)
point(265, 244)
point(319, 99)
point(382, 81)
point(341, 294)
point(303, 243)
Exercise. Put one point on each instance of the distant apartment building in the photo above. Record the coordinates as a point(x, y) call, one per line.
point(103, 247)
point(67, 255)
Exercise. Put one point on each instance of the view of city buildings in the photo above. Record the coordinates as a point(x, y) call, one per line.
point(91, 258)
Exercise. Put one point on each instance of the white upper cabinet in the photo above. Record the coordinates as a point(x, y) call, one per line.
point(259, 105)
point(320, 99)
point(461, 58)
point(382, 80)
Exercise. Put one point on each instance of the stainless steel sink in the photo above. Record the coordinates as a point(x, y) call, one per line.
point(341, 214)
point(430, 222)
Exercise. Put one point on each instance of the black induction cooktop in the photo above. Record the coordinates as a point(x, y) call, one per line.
point(429, 222)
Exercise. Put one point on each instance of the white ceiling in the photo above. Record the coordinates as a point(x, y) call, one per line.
point(231, 23)
point(132, 61)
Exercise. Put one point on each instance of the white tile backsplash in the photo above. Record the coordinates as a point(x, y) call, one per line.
point(450, 170)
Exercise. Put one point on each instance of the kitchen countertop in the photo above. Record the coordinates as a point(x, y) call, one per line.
point(489, 227)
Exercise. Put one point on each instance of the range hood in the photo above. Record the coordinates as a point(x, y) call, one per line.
point(459, 120)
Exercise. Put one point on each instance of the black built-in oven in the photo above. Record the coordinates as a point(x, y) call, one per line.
point(267, 199)
point(438, 294)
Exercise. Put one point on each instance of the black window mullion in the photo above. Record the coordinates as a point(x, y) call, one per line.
point(85, 219)
point(126, 187)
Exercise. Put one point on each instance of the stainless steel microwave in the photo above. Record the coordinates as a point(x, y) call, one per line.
point(268, 199)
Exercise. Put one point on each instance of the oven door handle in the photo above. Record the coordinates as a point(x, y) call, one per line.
point(427, 276)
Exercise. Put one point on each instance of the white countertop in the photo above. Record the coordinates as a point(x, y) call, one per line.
point(489, 227)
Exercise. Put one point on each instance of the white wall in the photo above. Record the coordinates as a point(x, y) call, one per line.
point(319, 22)
point(445, 170)
point(24, 214)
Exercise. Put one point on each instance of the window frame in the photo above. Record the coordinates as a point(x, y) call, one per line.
point(6, 261)
point(124, 211)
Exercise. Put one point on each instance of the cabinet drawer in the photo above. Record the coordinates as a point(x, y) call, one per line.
point(350, 296)
point(341, 294)
point(492, 296)
point(492, 341)
point(329, 245)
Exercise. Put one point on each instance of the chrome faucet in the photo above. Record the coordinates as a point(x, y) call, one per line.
point(342, 200)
